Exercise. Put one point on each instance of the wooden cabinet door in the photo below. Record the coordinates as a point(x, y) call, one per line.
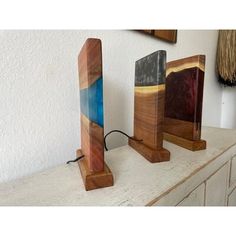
point(233, 172)
point(232, 198)
point(216, 187)
point(195, 198)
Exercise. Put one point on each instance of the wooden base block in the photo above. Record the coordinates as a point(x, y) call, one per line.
point(185, 143)
point(152, 155)
point(95, 180)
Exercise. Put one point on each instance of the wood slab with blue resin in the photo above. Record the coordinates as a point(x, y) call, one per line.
point(94, 171)
point(183, 103)
point(149, 107)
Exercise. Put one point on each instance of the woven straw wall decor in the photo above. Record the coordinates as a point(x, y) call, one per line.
point(226, 57)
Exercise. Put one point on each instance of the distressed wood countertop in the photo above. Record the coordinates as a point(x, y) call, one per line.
point(136, 181)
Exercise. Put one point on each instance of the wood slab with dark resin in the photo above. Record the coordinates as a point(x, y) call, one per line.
point(183, 102)
point(149, 107)
point(91, 107)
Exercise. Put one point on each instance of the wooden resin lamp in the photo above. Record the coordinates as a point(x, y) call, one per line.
point(149, 107)
point(183, 103)
point(94, 171)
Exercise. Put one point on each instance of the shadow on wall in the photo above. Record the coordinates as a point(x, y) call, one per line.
point(228, 118)
point(115, 109)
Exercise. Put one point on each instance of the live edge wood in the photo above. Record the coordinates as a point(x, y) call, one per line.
point(183, 102)
point(193, 145)
point(95, 180)
point(149, 101)
point(152, 155)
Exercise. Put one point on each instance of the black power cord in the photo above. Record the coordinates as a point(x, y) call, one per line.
point(105, 145)
point(78, 158)
point(119, 131)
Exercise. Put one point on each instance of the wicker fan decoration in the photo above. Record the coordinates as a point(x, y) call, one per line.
point(226, 57)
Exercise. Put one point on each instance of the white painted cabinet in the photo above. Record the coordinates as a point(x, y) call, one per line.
point(195, 198)
point(219, 189)
point(216, 187)
point(233, 172)
point(232, 198)
point(232, 184)
point(213, 191)
point(202, 178)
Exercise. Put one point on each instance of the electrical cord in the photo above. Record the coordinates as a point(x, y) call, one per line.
point(119, 131)
point(105, 145)
point(78, 158)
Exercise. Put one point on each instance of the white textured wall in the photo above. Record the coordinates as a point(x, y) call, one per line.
point(228, 117)
point(39, 95)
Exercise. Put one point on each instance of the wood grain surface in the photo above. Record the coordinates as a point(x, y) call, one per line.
point(92, 144)
point(90, 62)
point(184, 97)
point(149, 103)
point(167, 35)
point(152, 155)
point(91, 104)
point(185, 63)
point(185, 129)
point(96, 180)
point(193, 145)
point(149, 116)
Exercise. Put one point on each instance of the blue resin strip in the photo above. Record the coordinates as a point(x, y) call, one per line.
point(91, 102)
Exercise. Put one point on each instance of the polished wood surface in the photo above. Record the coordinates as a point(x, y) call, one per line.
point(92, 144)
point(90, 62)
point(184, 97)
point(92, 133)
point(185, 129)
point(149, 116)
point(186, 63)
point(193, 145)
point(167, 35)
point(96, 180)
point(94, 171)
point(152, 155)
point(149, 107)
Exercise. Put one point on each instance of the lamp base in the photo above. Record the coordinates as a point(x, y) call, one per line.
point(152, 155)
point(96, 180)
point(193, 145)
